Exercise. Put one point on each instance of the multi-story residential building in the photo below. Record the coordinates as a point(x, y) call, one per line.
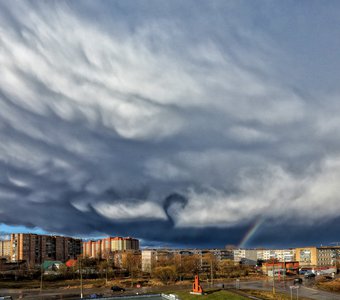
point(35, 248)
point(154, 257)
point(246, 256)
point(223, 254)
point(318, 256)
point(5, 249)
point(281, 255)
point(151, 257)
point(104, 247)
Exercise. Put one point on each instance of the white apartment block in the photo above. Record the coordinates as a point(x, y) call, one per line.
point(281, 255)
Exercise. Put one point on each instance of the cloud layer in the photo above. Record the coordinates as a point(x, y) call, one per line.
point(164, 121)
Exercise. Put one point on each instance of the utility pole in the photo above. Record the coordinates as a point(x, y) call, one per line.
point(211, 272)
point(41, 276)
point(273, 280)
point(284, 269)
point(81, 278)
point(107, 265)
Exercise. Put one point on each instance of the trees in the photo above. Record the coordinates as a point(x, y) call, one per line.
point(209, 265)
point(228, 269)
point(225, 267)
point(131, 261)
point(165, 274)
point(190, 265)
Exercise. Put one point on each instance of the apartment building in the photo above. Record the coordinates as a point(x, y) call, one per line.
point(35, 248)
point(245, 256)
point(318, 256)
point(281, 255)
point(5, 249)
point(153, 257)
point(222, 254)
point(104, 247)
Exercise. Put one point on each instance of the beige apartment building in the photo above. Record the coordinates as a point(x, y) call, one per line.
point(104, 247)
point(318, 256)
point(5, 249)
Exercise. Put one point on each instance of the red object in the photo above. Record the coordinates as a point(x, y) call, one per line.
point(196, 287)
point(71, 263)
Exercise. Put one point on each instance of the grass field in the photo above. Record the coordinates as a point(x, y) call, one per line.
point(218, 295)
point(228, 295)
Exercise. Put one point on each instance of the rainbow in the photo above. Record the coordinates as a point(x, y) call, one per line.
point(251, 232)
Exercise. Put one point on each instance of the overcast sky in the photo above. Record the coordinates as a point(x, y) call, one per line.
point(182, 123)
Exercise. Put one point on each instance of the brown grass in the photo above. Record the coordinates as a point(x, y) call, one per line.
point(329, 285)
point(266, 295)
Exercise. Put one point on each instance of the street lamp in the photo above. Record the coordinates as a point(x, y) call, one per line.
point(41, 276)
point(81, 278)
point(291, 291)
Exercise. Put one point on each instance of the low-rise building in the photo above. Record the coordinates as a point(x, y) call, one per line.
point(280, 268)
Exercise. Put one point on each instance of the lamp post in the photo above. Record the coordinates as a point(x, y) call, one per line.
point(211, 272)
point(41, 276)
point(273, 279)
point(81, 278)
point(291, 291)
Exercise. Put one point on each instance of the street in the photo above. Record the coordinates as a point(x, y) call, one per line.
point(285, 287)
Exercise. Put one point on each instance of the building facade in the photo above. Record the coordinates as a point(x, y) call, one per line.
point(104, 247)
point(154, 257)
point(318, 256)
point(280, 268)
point(5, 249)
point(245, 256)
point(280, 255)
point(35, 248)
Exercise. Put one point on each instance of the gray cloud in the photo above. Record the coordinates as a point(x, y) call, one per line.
point(146, 121)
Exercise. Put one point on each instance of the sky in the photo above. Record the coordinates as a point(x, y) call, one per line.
point(181, 123)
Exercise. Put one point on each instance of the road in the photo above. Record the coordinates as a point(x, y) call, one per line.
point(304, 290)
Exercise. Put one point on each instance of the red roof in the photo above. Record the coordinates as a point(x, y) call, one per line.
point(71, 263)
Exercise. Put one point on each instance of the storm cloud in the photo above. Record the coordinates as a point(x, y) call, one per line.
point(177, 122)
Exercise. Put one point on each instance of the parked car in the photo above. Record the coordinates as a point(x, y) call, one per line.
point(297, 281)
point(6, 298)
point(116, 288)
point(96, 296)
point(309, 275)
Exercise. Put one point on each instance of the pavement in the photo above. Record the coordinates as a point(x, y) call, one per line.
point(304, 290)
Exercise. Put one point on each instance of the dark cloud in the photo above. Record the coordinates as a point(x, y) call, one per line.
point(178, 122)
